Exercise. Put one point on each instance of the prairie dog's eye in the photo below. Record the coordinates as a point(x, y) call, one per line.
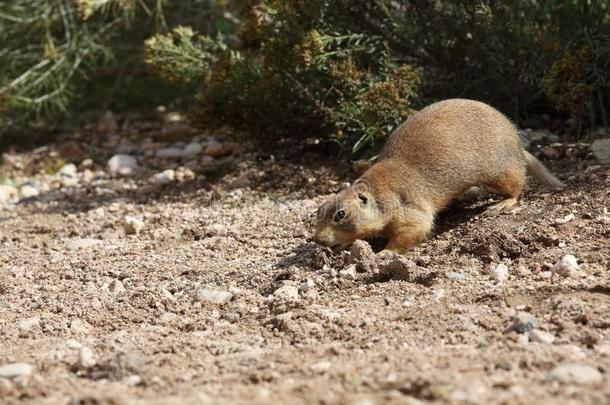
point(362, 198)
point(339, 216)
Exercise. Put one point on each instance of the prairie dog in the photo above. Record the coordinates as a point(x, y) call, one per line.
point(432, 158)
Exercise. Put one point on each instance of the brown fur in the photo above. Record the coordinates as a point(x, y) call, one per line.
point(435, 156)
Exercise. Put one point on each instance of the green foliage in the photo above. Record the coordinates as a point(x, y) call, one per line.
point(181, 56)
point(301, 70)
point(578, 82)
point(351, 70)
point(354, 69)
point(58, 57)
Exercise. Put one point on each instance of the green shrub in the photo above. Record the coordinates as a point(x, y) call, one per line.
point(302, 69)
point(58, 57)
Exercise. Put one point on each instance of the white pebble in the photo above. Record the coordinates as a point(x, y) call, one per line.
point(116, 287)
point(68, 170)
point(28, 191)
point(122, 164)
point(132, 225)
point(581, 374)
point(73, 344)
point(540, 336)
point(349, 272)
point(321, 366)
point(7, 193)
point(165, 177)
point(15, 370)
point(565, 220)
point(167, 317)
point(82, 243)
point(307, 285)
point(132, 380)
point(213, 296)
point(287, 292)
point(80, 327)
point(437, 295)
point(192, 149)
point(500, 273)
point(169, 153)
point(28, 326)
point(86, 358)
point(567, 266)
point(217, 230)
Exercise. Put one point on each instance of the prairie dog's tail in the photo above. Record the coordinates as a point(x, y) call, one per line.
point(541, 173)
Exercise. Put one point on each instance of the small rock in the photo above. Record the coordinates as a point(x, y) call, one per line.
point(522, 322)
point(174, 117)
point(500, 273)
point(132, 380)
point(455, 276)
point(232, 317)
point(29, 326)
point(87, 163)
point(545, 274)
point(321, 366)
point(565, 220)
point(80, 327)
point(82, 243)
point(437, 295)
point(216, 150)
point(287, 292)
point(165, 177)
point(86, 358)
point(7, 193)
point(601, 150)
point(360, 250)
point(349, 272)
point(116, 287)
point(573, 373)
point(28, 191)
point(217, 230)
point(283, 321)
point(122, 164)
point(307, 285)
point(69, 181)
point(213, 296)
point(362, 256)
point(523, 338)
point(16, 370)
point(184, 174)
point(169, 153)
point(68, 170)
point(6, 387)
point(73, 344)
point(540, 336)
point(132, 225)
point(567, 266)
point(167, 317)
point(192, 149)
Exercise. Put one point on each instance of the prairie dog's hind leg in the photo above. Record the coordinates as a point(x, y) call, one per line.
point(509, 185)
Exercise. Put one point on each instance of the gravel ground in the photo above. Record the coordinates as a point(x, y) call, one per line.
point(192, 278)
